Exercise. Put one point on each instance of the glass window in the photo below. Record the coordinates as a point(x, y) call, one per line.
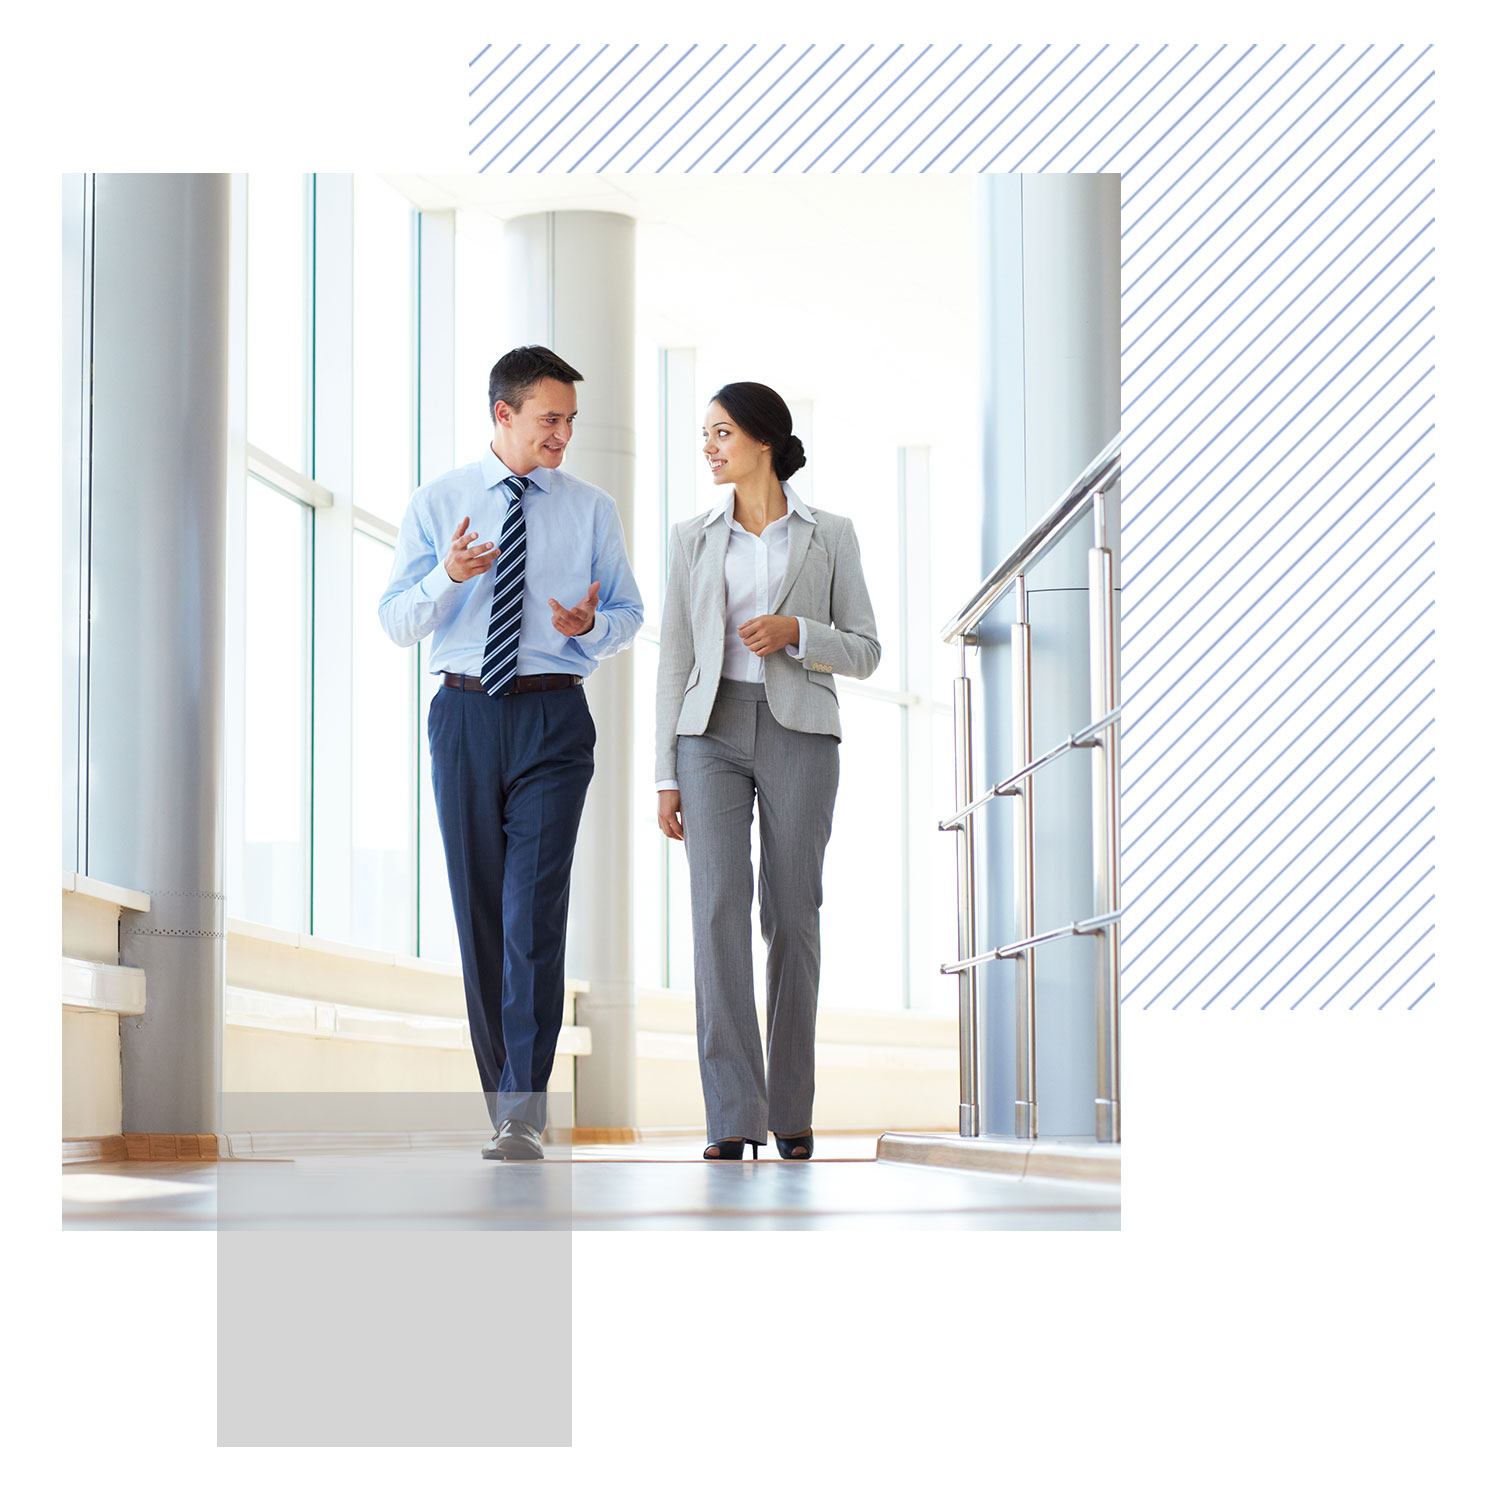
point(276, 883)
point(438, 929)
point(648, 539)
point(877, 498)
point(78, 301)
point(278, 316)
point(481, 338)
point(679, 914)
point(671, 480)
point(937, 851)
point(864, 920)
point(648, 894)
point(383, 426)
point(383, 764)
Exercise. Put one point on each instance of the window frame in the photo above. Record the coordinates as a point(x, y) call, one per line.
point(377, 529)
point(335, 518)
point(78, 324)
point(245, 461)
point(307, 817)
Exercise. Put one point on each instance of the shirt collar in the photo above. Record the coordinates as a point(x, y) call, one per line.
point(726, 506)
point(495, 472)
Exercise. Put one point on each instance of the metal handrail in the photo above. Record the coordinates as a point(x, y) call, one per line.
point(1094, 925)
point(1098, 476)
point(1009, 786)
point(1101, 737)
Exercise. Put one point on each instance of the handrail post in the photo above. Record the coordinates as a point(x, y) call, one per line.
point(966, 981)
point(1105, 859)
point(1087, 494)
point(1026, 1104)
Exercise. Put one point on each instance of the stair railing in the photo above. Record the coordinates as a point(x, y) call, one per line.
point(1100, 737)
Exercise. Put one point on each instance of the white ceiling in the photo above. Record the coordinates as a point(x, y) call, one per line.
point(817, 282)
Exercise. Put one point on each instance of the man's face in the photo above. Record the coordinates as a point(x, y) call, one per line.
point(536, 434)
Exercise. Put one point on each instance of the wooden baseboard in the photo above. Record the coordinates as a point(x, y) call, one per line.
point(207, 1146)
point(142, 1147)
point(111, 1147)
point(172, 1147)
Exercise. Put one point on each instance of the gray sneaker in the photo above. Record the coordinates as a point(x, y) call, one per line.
point(515, 1140)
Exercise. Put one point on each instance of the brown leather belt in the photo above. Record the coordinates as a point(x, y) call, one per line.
point(547, 682)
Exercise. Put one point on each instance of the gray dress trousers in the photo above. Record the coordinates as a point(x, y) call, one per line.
point(745, 756)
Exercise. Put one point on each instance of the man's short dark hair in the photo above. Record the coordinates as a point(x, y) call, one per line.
point(516, 373)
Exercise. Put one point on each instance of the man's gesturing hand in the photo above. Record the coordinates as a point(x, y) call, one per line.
point(577, 620)
point(463, 559)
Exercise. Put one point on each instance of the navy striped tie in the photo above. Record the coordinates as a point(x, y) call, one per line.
point(502, 649)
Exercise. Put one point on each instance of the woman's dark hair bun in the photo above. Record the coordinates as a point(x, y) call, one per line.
point(762, 413)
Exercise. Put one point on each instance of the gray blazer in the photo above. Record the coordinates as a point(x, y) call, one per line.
point(822, 586)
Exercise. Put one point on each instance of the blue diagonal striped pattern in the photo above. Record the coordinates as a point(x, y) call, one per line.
point(1278, 331)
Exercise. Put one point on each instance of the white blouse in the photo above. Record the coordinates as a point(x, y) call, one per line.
point(754, 566)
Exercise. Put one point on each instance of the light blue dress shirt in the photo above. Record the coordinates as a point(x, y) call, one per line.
point(573, 540)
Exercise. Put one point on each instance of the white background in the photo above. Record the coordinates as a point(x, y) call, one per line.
point(1306, 1305)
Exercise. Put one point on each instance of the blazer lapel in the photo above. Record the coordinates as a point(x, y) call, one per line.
point(800, 533)
point(708, 585)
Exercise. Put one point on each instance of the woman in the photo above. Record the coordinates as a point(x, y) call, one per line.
point(765, 603)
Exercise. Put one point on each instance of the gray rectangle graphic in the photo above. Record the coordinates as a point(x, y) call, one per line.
point(395, 1294)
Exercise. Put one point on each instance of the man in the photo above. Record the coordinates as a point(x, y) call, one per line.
point(487, 557)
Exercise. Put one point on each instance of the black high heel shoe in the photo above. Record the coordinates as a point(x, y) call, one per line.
point(730, 1149)
point(795, 1146)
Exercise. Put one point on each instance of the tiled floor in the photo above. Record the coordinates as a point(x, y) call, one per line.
point(652, 1184)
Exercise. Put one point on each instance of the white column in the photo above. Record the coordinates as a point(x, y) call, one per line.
point(1050, 367)
point(157, 611)
point(570, 285)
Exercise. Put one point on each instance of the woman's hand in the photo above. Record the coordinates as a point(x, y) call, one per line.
point(769, 632)
point(669, 813)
